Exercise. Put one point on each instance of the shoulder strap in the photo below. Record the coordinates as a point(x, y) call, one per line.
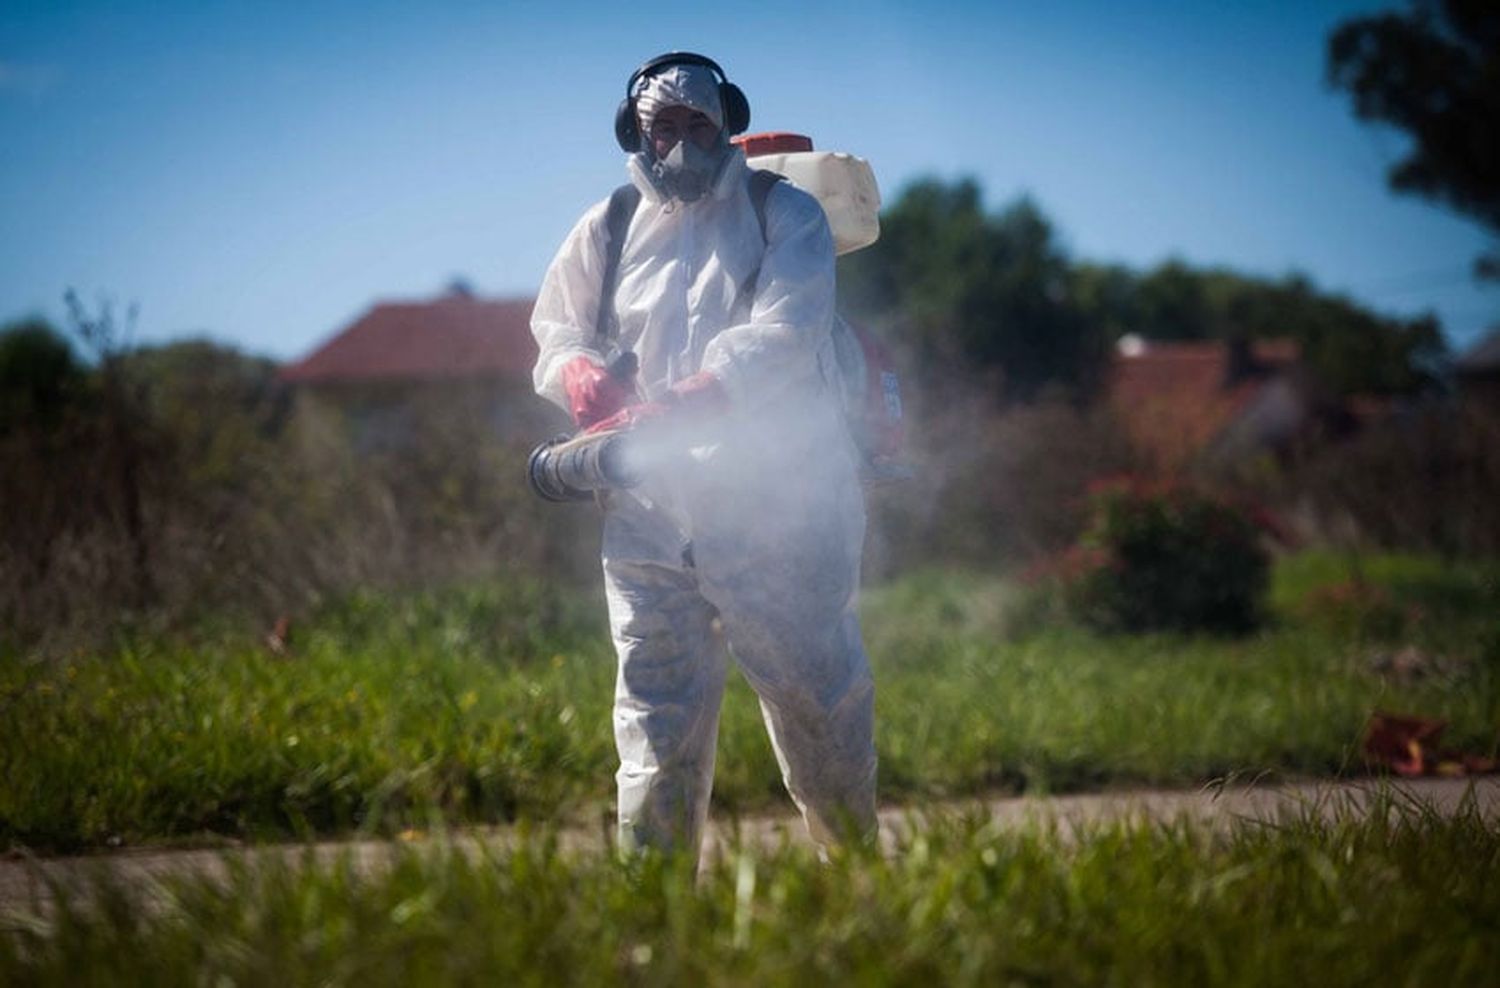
point(761, 183)
point(622, 205)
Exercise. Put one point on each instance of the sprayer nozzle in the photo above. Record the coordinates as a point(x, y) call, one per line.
point(570, 468)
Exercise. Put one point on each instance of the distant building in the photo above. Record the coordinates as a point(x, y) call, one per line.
point(1477, 372)
point(1183, 404)
point(451, 352)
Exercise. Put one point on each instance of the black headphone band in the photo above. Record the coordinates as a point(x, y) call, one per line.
point(731, 99)
point(651, 66)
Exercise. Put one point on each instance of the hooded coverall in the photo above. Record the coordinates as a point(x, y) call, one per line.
point(761, 528)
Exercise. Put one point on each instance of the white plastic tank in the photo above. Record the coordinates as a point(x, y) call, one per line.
point(842, 183)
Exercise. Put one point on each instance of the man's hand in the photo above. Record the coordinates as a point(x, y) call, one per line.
point(693, 399)
point(631, 416)
point(594, 393)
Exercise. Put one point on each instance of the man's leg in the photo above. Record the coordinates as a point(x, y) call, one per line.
point(817, 698)
point(785, 579)
point(670, 680)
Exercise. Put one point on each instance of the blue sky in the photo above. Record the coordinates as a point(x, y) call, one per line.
point(260, 173)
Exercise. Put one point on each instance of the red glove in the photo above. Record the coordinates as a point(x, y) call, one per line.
point(593, 392)
point(695, 398)
point(631, 416)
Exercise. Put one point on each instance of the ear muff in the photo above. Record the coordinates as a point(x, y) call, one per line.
point(627, 127)
point(731, 98)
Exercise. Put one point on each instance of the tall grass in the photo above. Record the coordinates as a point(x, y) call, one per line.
point(1399, 896)
point(491, 703)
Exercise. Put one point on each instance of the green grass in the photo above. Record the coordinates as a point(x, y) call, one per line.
point(1398, 898)
point(492, 703)
point(1062, 709)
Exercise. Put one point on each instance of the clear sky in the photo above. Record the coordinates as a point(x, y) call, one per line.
point(262, 172)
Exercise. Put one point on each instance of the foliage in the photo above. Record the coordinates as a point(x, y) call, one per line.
point(1348, 348)
point(982, 294)
point(1434, 72)
point(220, 407)
point(490, 702)
point(1394, 894)
point(73, 459)
point(1360, 611)
point(1167, 557)
point(990, 299)
point(992, 490)
point(162, 485)
point(1427, 481)
point(382, 712)
point(39, 374)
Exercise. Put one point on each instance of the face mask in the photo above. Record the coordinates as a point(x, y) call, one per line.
point(688, 171)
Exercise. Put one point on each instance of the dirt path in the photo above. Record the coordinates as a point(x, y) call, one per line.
point(23, 883)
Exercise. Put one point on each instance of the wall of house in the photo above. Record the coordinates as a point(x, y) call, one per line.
point(1480, 393)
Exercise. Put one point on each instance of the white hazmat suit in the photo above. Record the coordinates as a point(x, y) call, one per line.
point(761, 528)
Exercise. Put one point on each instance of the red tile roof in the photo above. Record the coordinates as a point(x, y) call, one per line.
point(449, 337)
point(1174, 399)
point(1483, 357)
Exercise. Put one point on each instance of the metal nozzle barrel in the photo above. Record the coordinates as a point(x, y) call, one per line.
point(572, 468)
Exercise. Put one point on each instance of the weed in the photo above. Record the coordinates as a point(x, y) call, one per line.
point(491, 702)
point(1396, 894)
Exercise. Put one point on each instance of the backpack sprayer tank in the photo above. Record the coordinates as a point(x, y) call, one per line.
point(843, 184)
point(845, 187)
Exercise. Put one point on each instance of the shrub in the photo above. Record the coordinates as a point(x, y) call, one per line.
point(170, 487)
point(1359, 611)
point(1425, 480)
point(993, 489)
point(1166, 557)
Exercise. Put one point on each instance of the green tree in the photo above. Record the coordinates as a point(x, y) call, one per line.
point(39, 375)
point(1172, 303)
point(992, 296)
point(1434, 72)
point(220, 407)
point(1350, 348)
point(972, 291)
point(1106, 296)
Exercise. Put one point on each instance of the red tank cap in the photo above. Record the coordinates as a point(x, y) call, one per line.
point(772, 142)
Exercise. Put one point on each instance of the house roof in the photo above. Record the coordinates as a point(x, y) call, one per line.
point(1174, 399)
point(1483, 357)
point(453, 336)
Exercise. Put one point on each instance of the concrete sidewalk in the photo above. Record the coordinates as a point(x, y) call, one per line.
point(24, 883)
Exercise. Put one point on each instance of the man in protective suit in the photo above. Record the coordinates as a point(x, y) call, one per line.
point(728, 310)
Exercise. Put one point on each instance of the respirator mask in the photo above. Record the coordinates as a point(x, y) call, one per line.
point(688, 171)
point(686, 82)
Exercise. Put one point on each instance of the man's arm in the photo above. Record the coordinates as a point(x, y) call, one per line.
point(565, 319)
point(792, 314)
